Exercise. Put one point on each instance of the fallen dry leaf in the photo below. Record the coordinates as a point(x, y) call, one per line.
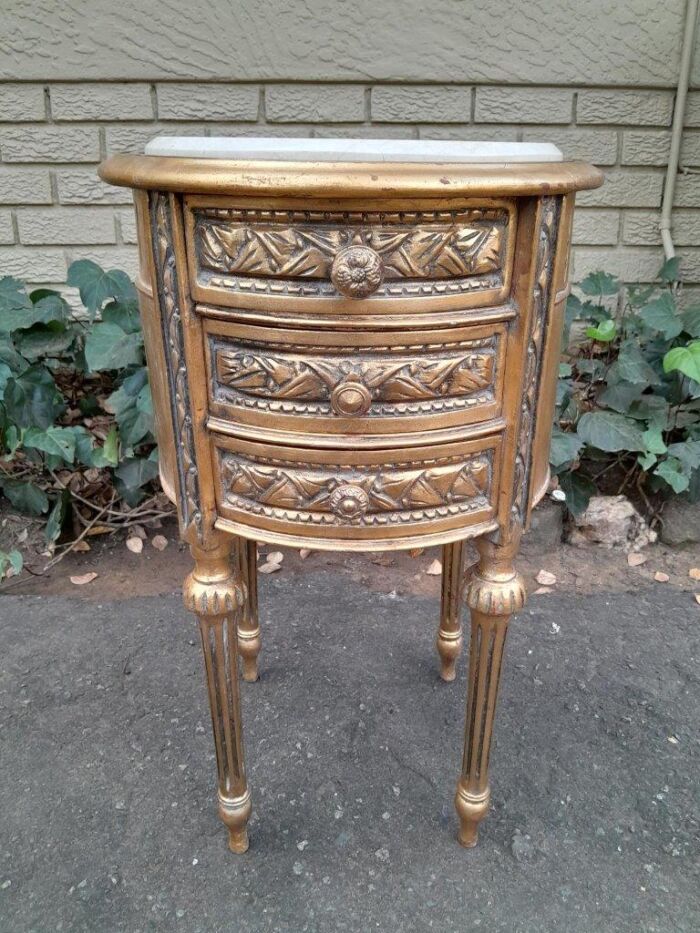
point(99, 530)
point(434, 568)
point(269, 567)
point(694, 573)
point(661, 577)
point(541, 590)
point(159, 542)
point(697, 598)
point(135, 545)
point(416, 551)
point(83, 578)
point(275, 557)
point(81, 546)
point(138, 532)
point(546, 578)
point(634, 559)
point(304, 552)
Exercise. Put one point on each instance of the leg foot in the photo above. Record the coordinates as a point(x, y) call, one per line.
point(249, 640)
point(493, 594)
point(449, 637)
point(213, 594)
point(235, 813)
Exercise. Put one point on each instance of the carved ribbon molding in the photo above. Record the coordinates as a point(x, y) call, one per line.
point(394, 384)
point(547, 239)
point(368, 495)
point(173, 341)
point(429, 245)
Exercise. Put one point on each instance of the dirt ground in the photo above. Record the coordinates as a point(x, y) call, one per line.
point(152, 572)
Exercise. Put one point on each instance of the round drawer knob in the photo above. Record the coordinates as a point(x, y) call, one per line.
point(357, 271)
point(351, 398)
point(349, 502)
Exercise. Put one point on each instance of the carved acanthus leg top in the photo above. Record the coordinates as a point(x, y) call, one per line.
point(449, 637)
point(249, 640)
point(493, 593)
point(213, 593)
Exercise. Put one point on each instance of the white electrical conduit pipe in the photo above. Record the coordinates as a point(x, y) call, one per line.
point(691, 14)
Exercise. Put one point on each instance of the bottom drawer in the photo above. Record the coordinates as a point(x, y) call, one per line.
point(330, 498)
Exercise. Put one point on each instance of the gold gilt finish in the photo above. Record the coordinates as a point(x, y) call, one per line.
point(359, 357)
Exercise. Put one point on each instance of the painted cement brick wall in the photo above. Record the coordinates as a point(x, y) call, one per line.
point(110, 77)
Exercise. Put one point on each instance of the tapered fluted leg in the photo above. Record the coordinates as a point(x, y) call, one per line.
point(212, 592)
point(449, 637)
point(493, 593)
point(249, 641)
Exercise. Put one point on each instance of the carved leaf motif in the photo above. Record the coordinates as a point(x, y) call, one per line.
point(299, 249)
point(388, 490)
point(389, 380)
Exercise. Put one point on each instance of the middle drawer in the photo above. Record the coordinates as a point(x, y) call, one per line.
point(367, 383)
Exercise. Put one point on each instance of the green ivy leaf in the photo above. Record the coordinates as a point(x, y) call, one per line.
point(631, 366)
point(565, 370)
point(670, 271)
point(20, 316)
point(564, 448)
point(604, 332)
point(32, 399)
point(670, 471)
point(108, 454)
point(45, 340)
point(651, 408)
point(654, 441)
point(12, 559)
point(577, 489)
point(59, 442)
point(107, 346)
point(620, 395)
point(691, 321)
point(610, 431)
point(57, 517)
point(96, 285)
point(5, 376)
point(662, 315)
point(688, 452)
point(646, 461)
point(592, 368)
point(685, 360)
point(131, 476)
point(124, 314)
point(13, 296)
point(27, 497)
point(132, 406)
point(10, 356)
point(600, 283)
point(12, 440)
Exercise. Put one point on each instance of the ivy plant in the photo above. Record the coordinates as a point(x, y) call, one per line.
point(76, 416)
point(628, 401)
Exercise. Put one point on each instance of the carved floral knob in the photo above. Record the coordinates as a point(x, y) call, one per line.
point(357, 271)
point(349, 502)
point(351, 397)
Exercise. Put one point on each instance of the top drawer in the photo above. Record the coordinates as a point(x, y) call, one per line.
point(349, 261)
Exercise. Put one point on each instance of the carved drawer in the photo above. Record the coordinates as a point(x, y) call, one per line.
point(345, 261)
point(355, 498)
point(358, 384)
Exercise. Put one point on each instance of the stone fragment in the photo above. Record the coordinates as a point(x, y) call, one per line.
point(610, 521)
point(680, 523)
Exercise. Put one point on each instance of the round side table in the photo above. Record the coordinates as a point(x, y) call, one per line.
point(352, 344)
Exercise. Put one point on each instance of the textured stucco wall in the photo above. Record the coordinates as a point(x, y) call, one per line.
point(83, 78)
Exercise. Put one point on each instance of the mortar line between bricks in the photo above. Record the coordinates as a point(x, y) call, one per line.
point(386, 82)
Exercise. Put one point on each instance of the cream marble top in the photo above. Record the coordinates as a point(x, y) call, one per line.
point(350, 150)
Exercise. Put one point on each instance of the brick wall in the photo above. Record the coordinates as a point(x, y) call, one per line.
point(54, 209)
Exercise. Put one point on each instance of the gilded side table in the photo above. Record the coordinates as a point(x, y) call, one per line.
point(352, 345)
